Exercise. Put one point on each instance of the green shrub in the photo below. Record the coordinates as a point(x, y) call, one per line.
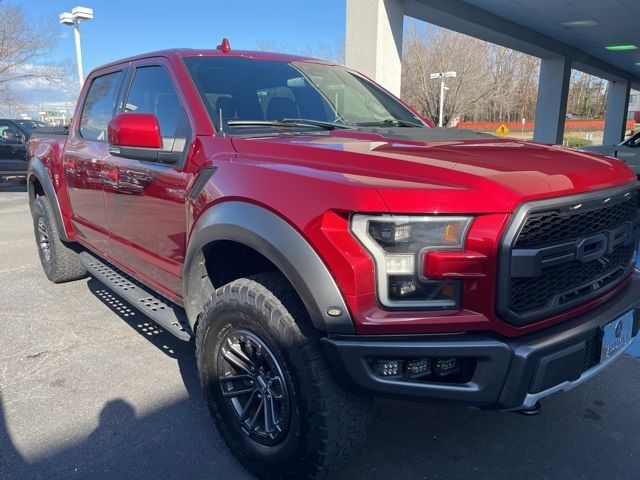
point(576, 142)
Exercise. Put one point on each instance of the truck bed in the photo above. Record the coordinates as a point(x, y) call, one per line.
point(51, 131)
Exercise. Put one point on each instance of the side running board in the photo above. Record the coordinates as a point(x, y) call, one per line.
point(168, 315)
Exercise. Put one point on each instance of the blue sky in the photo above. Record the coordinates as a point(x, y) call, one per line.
point(122, 28)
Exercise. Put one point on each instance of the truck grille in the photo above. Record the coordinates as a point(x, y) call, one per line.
point(551, 226)
point(532, 293)
point(562, 253)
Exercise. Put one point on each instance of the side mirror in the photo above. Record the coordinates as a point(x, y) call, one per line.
point(137, 136)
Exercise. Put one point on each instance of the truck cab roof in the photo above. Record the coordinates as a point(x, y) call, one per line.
point(177, 53)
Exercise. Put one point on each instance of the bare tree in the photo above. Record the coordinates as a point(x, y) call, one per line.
point(430, 50)
point(25, 48)
point(24, 43)
point(323, 50)
point(493, 83)
point(587, 95)
point(12, 104)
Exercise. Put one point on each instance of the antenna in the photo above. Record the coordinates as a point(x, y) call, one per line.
point(221, 124)
point(225, 46)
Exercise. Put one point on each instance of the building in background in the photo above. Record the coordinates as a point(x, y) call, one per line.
point(601, 48)
point(56, 113)
point(634, 106)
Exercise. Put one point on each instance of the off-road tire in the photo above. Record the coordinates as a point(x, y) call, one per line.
point(326, 420)
point(63, 262)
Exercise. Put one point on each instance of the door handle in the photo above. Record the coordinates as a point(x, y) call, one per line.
point(70, 167)
point(133, 181)
point(111, 178)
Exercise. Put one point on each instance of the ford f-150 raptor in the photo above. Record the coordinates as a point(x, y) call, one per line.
point(323, 244)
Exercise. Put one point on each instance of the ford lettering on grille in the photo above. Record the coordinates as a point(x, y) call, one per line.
point(555, 256)
point(530, 262)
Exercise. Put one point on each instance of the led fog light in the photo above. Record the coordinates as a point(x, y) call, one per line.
point(446, 366)
point(419, 368)
point(388, 368)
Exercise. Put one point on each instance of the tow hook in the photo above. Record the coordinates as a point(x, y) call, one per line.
point(531, 411)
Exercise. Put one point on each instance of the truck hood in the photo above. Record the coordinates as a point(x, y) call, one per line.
point(447, 170)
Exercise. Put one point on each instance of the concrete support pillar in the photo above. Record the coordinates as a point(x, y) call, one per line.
point(551, 107)
point(616, 115)
point(373, 43)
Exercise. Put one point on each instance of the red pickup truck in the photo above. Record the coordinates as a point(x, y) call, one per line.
point(323, 244)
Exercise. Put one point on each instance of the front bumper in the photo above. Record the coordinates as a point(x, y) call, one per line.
point(509, 373)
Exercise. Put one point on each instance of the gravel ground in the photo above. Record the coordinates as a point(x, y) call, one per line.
point(87, 390)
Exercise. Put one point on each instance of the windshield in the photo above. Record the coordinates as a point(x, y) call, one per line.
point(632, 141)
point(237, 89)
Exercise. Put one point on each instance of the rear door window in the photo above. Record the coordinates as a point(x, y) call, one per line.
point(99, 106)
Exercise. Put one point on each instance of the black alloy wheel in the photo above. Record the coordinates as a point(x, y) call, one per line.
point(253, 383)
point(43, 240)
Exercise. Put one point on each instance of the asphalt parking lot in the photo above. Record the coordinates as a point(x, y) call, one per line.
point(90, 389)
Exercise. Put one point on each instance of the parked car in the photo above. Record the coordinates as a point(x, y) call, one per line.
point(627, 151)
point(14, 136)
point(324, 245)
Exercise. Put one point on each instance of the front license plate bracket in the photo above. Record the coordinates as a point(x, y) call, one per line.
point(616, 336)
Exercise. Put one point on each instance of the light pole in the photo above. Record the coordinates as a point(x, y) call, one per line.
point(442, 76)
point(73, 19)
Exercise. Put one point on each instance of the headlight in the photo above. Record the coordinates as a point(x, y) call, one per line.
point(397, 244)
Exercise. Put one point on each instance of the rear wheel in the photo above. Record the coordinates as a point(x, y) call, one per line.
point(268, 385)
point(60, 262)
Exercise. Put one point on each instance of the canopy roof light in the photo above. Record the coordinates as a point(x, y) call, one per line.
point(621, 48)
point(580, 24)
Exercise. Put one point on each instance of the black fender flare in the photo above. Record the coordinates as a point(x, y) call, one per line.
point(275, 239)
point(38, 170)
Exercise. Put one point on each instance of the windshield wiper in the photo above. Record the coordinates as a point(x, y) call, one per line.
point(393, 122)
point(286, 123)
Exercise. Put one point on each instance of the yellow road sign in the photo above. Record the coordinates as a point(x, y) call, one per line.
point(502, 130)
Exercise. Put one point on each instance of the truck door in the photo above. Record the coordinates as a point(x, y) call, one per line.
point(146, 204)
point(84, 155)
point(629, 152)
point(13, 149)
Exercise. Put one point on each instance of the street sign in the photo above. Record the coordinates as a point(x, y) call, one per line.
point(502, 130)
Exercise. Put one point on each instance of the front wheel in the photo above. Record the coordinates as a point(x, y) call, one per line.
point(268, 385)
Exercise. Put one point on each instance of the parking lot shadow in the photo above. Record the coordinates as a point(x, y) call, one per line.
point(178, 441)
point(406, 441)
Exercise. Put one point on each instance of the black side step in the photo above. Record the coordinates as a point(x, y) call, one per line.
point(168, 315)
